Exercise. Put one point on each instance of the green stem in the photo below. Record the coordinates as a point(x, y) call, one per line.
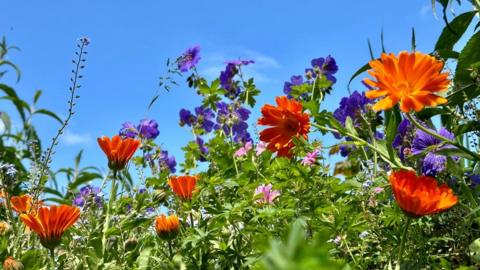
point(443, 139)
point(402, 243)
point(52, 258)
point(374, 148)
point(170, 250)
point(106, 224)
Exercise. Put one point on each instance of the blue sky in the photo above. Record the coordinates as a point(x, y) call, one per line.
point(131, 41)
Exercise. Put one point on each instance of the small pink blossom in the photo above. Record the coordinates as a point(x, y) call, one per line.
point(242, 151)
point(260, 148)
point(310, 158)
point(378, 190)
point(269, 195)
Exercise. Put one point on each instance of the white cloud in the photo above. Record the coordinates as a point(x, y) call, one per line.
point(258, 70)
point(71, 138)
point(425, 9)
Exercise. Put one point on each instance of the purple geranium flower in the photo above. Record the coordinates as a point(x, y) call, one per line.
point(167, 162)
point(432, 163)
point(88, 193)
point(239, 62)
point(294, 80)
point(148, 128)
point(228, 83)
point(324, 66)
point(203, 149)
point(189, 59)
point(128, 130)
point(352, 106)
point(231, 118)
point(268, 194)
point(202, 119)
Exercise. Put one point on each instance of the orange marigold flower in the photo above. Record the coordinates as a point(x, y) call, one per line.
point(183, 186)
point(413, 79)
point(24, 204)
point(167, 227)
point(287, 121)
point(119, 151)
point(51, 222)
point(11, 264)
point(420, 195)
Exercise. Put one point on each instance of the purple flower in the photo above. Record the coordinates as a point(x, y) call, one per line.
point(268, 194)
point(324, 67)
point(204, 118)
point(203, 149)
point(227, 82)
point(242, 151)
point(231, 118)
point(128, 130)
point(88, 193)
point(352, 106)
point(294, 80)
point(432, 163)
point(475, 180)
point(402, 131)
point(167, 162)
point(187, 118)
point(148, 128)
point(310, 158)
point(189, 59)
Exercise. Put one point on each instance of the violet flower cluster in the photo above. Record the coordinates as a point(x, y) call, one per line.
point(88, 194)
point(147, 129)
point(232, 119)
point(227, 77)
point(202, 119)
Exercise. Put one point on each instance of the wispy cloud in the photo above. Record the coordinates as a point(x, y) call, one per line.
point(71, 138)
point(425, 9)
point(259, 70)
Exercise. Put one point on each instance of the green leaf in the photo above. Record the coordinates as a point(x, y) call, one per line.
point(7, 123)
point(463, 80)
point(350, 127)
point(37, 95)
point(358, 72)
point(19, 104)
point(49, 113)
point(452, 33)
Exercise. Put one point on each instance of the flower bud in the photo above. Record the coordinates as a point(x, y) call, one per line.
point(11, 264)
point(5, 228)
point(131, 244)
point(159, 196)
point(167, 227)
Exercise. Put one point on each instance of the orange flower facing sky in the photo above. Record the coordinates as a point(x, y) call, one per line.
point(287, 121)
point(119, 151)
point(183, 186)
point(420, 195)
point(51, 222)
point(411, 79)
point(167, 227)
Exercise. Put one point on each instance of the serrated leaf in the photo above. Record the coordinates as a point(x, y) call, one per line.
point(454, 31)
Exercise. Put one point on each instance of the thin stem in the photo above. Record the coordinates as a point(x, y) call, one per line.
point(374, 148)
point(402, 244)
point(350, 252)
point(440, 137)
point(170, 250)
point(106, 225)
point(191, 217)
point(52, 258)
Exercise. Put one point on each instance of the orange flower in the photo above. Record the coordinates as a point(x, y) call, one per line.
point(413, 79)
point(24, 204)
point(167, 227)
point(183, 186)
point(420, 195)
point(11, 264)
point(119, 151)
point(51, 222)
point(287, 121)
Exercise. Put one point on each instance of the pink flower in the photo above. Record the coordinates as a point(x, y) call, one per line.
point(269, 195)
point(310, 158)
point(242, 151)
point(261, 146)
point(378, 190)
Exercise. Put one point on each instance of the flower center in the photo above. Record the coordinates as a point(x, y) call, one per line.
point(403, 88)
